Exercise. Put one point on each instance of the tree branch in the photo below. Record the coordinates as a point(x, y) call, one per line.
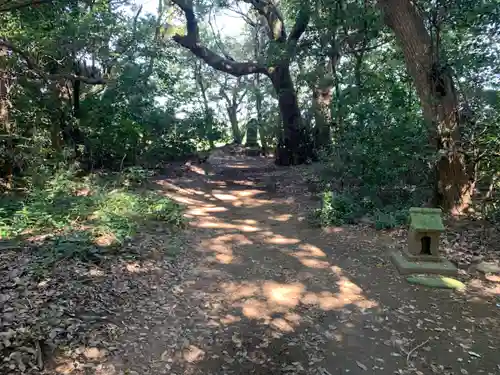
point(300, 26)
point(34, 68)
point(222, 90)
point(217, 38)
point(109, 63)
point(273, 17)
point(298, 29)
point(191, 42)
point(6, 6)
point(370, 48)
point(242, 96)
point(245, 16)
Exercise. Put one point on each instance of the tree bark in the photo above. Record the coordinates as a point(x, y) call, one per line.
point(439, 101)
point(8, 6)
point(322, 99)
point(5, 125)
point(233, 119)
point(321, 102)
point(294, 146)
point(198, 77)
point(264, 133)
point(233, 102)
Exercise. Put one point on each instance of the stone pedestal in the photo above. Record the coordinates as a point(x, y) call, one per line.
point(422, 254)
point(252, 134)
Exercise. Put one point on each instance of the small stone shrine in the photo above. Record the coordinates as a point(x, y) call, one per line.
point(252, 147)
point(422, 254)
point(252, 134)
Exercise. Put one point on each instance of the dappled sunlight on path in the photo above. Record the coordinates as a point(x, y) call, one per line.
point(265, 293)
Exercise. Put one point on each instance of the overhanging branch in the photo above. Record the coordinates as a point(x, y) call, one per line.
point(298, 29)
point(109, 63)
point(300, 26)
point(6, 6)
point(191, 41)
point(35, 69)
point(244, 15)
point(273, 17)
point(370, 48)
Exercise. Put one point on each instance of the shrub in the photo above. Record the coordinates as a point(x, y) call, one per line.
point(389, 220)
point(80, 218)
point(338, 209)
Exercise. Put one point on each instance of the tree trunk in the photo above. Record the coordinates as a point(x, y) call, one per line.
point(264, 132)
point(322, 99)
point(233, 119)
point(208, 115)
point(8, 162)
point(439, 101)
point(294, 145)
point(359, 83)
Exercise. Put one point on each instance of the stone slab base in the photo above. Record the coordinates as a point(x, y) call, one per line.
point(405, 266)
point(420, 258)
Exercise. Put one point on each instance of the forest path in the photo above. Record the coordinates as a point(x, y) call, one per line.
point(264, 293)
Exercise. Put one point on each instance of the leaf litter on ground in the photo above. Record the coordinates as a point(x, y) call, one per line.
point(73, 306)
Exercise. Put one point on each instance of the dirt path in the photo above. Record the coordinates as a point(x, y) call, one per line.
point(263, 293)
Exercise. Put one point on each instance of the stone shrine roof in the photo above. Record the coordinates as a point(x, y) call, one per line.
point(426, 219)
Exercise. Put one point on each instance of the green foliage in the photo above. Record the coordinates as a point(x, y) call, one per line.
point(135, 176)
point(119, 124)
point(161, 103)
point(389, 220)
point(337, 209)
point(81, 218)
point(345, 208)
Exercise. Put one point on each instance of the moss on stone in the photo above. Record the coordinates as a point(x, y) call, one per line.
point(426, 219)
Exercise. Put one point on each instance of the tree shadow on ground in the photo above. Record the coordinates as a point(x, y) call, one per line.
point(317, 300)
point(258, 291)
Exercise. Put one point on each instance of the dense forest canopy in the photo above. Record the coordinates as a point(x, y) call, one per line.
point(168, 168)
point(389, 94)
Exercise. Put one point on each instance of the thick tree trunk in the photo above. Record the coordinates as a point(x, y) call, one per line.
point(439, 102)
point(294, 145)
point(233, 119)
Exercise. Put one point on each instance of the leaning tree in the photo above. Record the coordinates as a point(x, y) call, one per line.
point(294, 145)
point(435, 86)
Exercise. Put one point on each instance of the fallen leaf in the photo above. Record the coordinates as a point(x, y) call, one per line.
point(94, 353)
point(360, 365)
point(165, 356)
point(193, 354)
point(474, 354)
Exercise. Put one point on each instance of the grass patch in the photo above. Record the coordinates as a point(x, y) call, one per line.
point(340, 209)
point(84, 218)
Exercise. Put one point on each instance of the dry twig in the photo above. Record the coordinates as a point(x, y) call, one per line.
point(415, 348)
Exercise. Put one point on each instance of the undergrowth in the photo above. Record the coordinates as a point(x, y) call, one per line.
point(84, 218)
point(345, 208)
